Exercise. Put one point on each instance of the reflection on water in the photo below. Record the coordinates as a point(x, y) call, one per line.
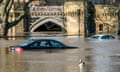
point(98, 57)
point(10, 63)
point(105, 60)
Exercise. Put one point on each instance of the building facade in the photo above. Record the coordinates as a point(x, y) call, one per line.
point(66, 16)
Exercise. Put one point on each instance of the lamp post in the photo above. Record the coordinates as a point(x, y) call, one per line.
point(78, 14)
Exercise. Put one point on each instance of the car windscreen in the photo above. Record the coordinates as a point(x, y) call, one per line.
point(26, 43)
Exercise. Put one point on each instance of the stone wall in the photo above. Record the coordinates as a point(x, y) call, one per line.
point(74, 17)
point(106, 19)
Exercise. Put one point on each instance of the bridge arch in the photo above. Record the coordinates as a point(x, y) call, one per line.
point(48, 24)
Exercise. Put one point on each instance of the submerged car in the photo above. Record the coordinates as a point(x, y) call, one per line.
point(35, 44)
point(102, 37)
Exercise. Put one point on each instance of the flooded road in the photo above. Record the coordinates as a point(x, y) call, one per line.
point(99, 56)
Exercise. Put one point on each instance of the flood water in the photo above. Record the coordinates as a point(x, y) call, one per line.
point(99, 56)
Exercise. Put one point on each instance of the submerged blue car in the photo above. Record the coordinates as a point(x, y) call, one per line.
point(37, 44)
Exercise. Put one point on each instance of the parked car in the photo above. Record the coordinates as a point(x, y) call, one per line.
point(102, 37)
point(35, 44)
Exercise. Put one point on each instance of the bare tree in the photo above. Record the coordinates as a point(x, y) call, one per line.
point(7, 6)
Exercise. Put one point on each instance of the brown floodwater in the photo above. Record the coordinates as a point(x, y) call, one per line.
point(99, 56)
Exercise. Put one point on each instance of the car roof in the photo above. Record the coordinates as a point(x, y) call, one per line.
point(41, 39)
point(101, 34)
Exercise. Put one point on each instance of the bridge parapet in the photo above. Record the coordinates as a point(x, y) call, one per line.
point(39, 11)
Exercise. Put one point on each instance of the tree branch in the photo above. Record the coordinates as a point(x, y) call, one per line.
point(7, 10)
point(6, 5)
point(11, 24)
point(15, 22)
point(10, 6)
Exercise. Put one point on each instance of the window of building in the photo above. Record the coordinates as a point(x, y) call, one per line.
point(101, 27)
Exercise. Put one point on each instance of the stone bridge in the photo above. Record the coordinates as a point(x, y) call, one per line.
point(47, 18)
point(48, 24)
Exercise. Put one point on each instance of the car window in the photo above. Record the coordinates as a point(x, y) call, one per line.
point(107, 37)
point(95, 37)
point(56, 44)
point(42, 43)
point(111, 37)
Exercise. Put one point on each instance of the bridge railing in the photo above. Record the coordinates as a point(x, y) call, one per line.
point(39, 11)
